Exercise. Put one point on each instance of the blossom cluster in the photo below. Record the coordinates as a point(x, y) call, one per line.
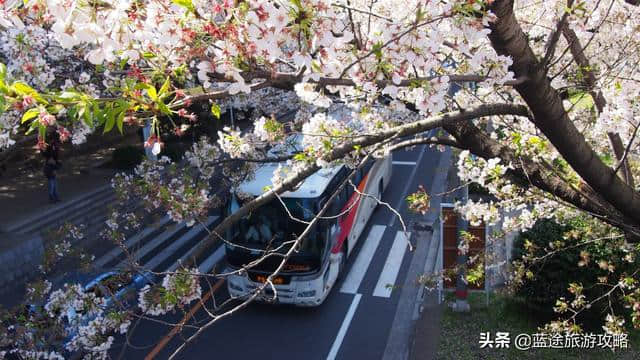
point(76, 65)
point(177, 289)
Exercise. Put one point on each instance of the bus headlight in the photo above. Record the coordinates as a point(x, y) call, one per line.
point(235, 287)
point(309, 293)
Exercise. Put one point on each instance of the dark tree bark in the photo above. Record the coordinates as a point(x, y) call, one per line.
point(590, 82)
point(550, 117)
point(527, 172)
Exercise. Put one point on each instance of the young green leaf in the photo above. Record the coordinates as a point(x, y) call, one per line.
point(187, 4)
point(29, 114)
point(165, 87)
point(111, 120)
point(22, 88)
point(151, 91)
point(120, 121)
point(215, 110)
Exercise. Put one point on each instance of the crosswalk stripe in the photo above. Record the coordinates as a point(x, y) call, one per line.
point(356, 274)
point(177, 244)
point(111, 255)
point(140, 253)
point(411, 163)
point(392, 266)
point(212, 260)
point(186, 256)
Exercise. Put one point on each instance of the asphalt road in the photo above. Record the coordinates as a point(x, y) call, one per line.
point(353, 323)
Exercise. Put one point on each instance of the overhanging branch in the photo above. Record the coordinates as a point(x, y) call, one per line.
point(361, 141)
point(549, 115)
point(526, 171)
point(286, 80)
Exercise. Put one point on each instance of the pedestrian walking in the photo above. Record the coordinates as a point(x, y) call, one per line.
point(51, 165)
point(50, 169)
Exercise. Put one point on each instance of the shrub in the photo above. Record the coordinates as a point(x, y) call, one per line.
point(575, 263)
point(127, 157)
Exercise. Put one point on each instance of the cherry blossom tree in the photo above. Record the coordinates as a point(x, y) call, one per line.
point(545, 95)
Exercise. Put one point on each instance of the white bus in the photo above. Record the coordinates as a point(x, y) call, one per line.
point(313, 269)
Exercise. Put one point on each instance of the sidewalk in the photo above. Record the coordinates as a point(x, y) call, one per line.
point(428, 328)
point(29, 196)
point(23, 189)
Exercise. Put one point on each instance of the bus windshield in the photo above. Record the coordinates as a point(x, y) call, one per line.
point(270, 226)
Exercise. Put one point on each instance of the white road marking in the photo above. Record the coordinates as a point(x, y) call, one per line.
point(154, 243)
point(392, 266)
point(187, 256)
point(171, 249)
point(344, 327)
point(212, 260)
point(108, 257)
point(412, 163)
point(356, 274)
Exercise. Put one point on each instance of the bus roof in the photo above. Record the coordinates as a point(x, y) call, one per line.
point(311, 187)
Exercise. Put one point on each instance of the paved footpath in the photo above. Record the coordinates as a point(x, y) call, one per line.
point(24, 197)
point(24, 201)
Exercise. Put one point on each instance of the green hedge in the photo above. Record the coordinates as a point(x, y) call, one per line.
point(552, 276)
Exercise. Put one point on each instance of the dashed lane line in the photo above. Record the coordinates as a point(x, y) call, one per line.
point(344, 327)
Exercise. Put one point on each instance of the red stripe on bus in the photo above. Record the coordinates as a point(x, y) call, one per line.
point(345, 222)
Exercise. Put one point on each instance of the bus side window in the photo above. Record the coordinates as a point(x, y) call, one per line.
point(342, 202)
point(337, 203)
point(368, 165)
point(358, 177)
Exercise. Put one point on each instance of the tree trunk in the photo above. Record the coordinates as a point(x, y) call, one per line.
point(550, 117)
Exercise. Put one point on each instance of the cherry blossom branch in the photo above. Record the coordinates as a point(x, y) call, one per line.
point(353, 27)
point(480, 144)
point(584, 243)
point(288, 80)
point(615, 141)
point(623, 160)
point(351, 8)
point(269, 281)
point(555, 36)
point(393, 39)
point(362, 141)
point(428, 140)
point(508, 39)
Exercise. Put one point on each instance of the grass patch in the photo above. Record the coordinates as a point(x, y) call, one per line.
point(460, 334)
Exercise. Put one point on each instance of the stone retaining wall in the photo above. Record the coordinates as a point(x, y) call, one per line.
point(20, 256)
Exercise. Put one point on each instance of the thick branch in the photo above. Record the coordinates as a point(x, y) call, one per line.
point(425, 140)
point(473, 139)
point(590, 81)
point(363, 141)
point(288, 80)
point(550, 117)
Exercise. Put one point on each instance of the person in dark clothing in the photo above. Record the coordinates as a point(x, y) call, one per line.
point(52, 164)
point(50, 168)
point(52, 150)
